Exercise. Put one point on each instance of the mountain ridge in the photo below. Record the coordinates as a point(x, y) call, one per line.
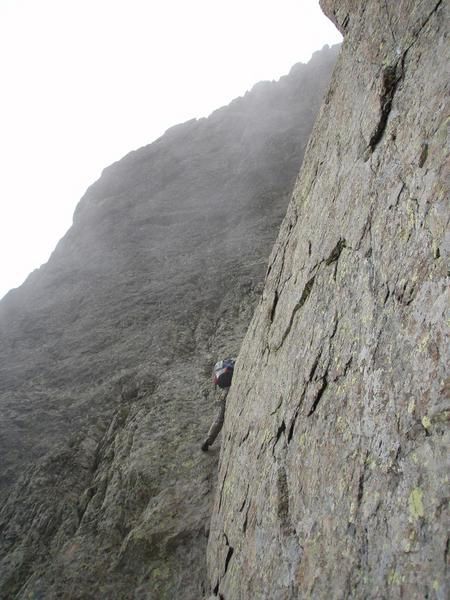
point(106, 351)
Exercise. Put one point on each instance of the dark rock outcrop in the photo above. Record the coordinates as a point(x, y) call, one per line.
point(334, 473)
point(106, 351)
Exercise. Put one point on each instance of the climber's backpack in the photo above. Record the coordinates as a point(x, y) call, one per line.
point(223, 372)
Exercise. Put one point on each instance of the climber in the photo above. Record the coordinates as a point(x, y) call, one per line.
point(222, 376)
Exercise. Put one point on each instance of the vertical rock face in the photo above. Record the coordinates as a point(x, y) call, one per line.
point(333, 477)
point(106, 352)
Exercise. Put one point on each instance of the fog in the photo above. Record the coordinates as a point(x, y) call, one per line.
point(85, 82)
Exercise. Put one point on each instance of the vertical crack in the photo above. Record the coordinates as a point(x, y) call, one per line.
point(303, 298)
point(389, 83)
point(245, 498)
point(297, 411)
point(228, 558)
point(274, 306)
point(336, 252)
point(323, 387)
point(292, 426)
point(314, 367)
point(229, 554)
point(281, 430)
point(360, 488)
point(244, 526)
point(245, 437)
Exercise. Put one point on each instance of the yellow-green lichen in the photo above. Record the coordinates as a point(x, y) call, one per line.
point(411, 211)
point(426, 422)
point(413, 535)
point(352, 512)
point(415, 504)
point(442, 132)
point(406, 546)
point(435, 249)
point(423, 344)
point(394, 578)
point(411, 406)
point(161, 572)
point(371, 462)
point(346, 434)
point(442, 417)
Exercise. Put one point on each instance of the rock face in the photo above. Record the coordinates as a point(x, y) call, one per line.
point(333, 477)
point(106, 352)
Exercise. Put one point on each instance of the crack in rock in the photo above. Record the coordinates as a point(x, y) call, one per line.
point(281, 430)
point(336, 252)
point(229, 554)
point(303, 298)
point(389, 83)
point(319, 394)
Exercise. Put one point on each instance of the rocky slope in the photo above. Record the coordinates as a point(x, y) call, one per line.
point(334, 470)
point(106, 352)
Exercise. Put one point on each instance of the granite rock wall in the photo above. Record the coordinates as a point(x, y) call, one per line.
point(333, 478)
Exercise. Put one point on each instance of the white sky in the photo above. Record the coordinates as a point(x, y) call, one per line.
point(83, 82)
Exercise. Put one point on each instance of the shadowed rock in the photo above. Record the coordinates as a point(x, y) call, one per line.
point(106, 352)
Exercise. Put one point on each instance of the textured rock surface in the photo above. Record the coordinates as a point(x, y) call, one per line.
point(106, 351)
point(333, 477)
